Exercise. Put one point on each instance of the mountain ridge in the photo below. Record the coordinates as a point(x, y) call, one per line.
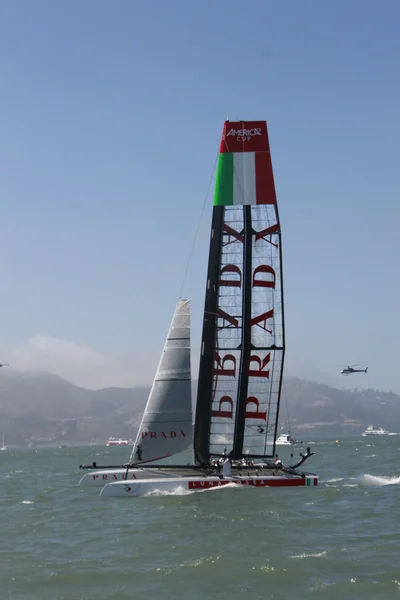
point(42, 408)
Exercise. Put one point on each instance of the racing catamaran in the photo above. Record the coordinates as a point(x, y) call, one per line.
point(243, 340)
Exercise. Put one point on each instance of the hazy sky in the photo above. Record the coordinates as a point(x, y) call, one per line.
point(110, 117)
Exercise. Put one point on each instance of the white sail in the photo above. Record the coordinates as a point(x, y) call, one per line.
point(166, 426)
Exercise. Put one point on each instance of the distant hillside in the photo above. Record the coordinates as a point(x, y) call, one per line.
point(42, 408)
point(327, 410)
point(39, 407)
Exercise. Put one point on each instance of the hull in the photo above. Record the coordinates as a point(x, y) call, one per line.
point(285, 443)
point(133, 489)
point(102, 477)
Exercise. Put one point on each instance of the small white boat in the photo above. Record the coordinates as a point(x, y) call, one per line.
point(286, 440)
point(119, 442)
point(3, 447)
point(372, 430)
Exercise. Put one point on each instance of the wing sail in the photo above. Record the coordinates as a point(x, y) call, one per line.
point(242, 352)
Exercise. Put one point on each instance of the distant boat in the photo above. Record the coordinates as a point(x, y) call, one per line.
point(3, 447)
point(372, 430)
point(286, 440)
point(119, 442)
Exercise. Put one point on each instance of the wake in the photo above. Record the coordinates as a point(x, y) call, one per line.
point(366, 480)
point(180, 491)
point(378, 480)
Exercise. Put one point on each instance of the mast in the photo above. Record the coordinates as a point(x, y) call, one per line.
point(246, 337)
point(205, 382)
point(242, 353)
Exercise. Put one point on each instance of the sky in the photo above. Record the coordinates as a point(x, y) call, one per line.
point(111, 115)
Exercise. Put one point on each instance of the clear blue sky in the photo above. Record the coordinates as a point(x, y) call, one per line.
point(110, 119)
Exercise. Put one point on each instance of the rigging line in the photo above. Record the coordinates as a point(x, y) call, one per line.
point(198, 228)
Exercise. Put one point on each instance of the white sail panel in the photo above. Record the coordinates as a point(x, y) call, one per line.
point(229, 334)
point(167, 423)
point(267, 333)
point(244, 178)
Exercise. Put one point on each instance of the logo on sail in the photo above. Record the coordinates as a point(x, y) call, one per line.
point(244, 135)
point(154, 435)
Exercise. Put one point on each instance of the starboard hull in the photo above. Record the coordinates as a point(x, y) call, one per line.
point(133, 489)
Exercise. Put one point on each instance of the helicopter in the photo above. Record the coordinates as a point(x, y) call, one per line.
point(349, 370)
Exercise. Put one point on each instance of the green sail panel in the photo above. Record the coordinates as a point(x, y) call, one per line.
point(236, 179)
point(223, 194)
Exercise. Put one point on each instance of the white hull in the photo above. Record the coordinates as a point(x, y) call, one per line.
point(285, 443)
point(120, 442)
point(133, 489)
point(375, 434)
point(104, 476)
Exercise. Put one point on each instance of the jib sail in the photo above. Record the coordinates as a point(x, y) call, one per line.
point(167, 424)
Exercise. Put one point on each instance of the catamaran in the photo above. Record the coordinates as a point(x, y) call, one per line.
point(243, 340)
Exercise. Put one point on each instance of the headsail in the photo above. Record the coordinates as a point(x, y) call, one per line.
point(242, 351)
point(167, 423)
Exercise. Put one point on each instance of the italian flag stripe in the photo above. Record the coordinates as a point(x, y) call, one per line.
point(224, 181)
point(244, 178)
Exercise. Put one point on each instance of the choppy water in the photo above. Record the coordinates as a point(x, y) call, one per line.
point(340, 540)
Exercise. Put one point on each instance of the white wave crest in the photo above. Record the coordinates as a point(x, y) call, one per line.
point(367, 479)
point(310, 555)
point(178, 491)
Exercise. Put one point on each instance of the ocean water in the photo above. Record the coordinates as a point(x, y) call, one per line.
point(339, 540)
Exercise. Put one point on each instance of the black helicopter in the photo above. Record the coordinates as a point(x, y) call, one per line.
point(349, 370)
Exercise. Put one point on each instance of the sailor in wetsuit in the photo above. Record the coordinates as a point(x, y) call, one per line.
point(139, 452)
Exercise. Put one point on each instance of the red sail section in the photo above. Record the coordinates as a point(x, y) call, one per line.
point(265, 186)
point(244, 136)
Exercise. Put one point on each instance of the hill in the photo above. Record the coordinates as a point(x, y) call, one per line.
point(42, 408)
point(326, 410)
